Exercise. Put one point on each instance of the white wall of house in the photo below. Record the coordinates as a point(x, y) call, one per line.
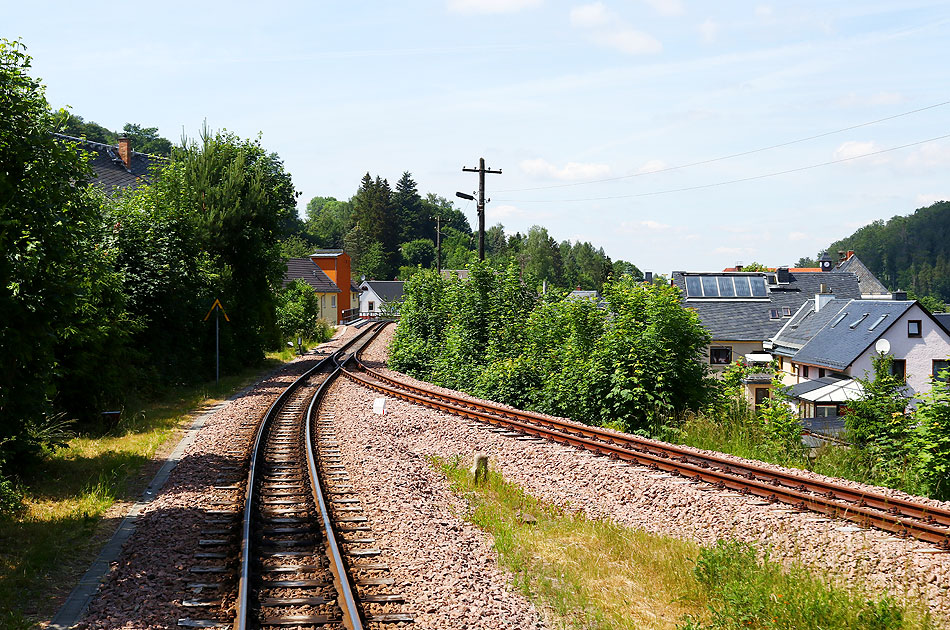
point(369, 301)
point(918, 352)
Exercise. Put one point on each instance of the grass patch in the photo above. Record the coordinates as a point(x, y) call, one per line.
point(44, 550)
point(595, 574)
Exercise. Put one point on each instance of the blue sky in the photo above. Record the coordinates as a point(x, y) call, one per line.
point(556, 94)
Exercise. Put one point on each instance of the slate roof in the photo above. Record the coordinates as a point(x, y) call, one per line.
point(804, 325)
point(943, 319)
point(867, 281)
point(838, 347)
point(308, 271)
point(747, 319)
point(109, 171)
point(387, 290)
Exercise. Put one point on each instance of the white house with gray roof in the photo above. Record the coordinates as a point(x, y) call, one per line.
point(375, 294)
point(829, 342)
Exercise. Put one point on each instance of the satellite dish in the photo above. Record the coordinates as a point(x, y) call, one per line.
point(883, 346)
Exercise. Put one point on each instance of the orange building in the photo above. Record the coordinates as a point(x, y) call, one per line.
point(336, 264)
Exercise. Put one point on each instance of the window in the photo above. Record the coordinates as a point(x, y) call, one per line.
point(821, 372)
point(786, 311)
point(858, 321)
point(720, 356)
point(913, 328)
point(758, 286)
point(761, 395)
point(825, 410)
point(899, 369)
point(838, 319)
point(805, 371)
point(939, 366)
point(878, 321)
point(371, 306)
point(774, 313)
point(333, 301)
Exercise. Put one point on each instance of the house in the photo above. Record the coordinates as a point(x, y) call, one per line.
point(117, 167)
point(871, 287)
point(743, 310)
point(328, 293)
point(335, 263)
point(375, 294)
point(829, 342)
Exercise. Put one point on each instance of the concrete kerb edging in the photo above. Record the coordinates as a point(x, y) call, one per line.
point(79, 599)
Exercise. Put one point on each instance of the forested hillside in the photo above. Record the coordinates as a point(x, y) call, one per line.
point(391, 233)
point(910, 253)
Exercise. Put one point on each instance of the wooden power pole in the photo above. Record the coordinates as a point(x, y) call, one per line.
point(481, 170)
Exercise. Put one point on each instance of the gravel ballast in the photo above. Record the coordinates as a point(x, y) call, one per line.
point(656, 502)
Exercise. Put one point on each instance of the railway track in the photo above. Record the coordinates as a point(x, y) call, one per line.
point(905, 518)
point(307, 556)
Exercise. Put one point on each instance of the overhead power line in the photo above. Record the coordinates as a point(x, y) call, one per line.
point(729, 157)
point(731, 181)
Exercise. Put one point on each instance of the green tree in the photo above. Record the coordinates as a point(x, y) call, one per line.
point(933, 437)
point(418, 252)
point(409, 211)
point(241, 197)
point(298, 311)
point(328, 221)
point(374, 216)
point(57, 294)
point(878, 427)
point(146, 139)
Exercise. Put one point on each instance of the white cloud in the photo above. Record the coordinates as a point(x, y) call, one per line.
point(491, 6)
point(589, 15)
point(853, 149)
point(797, 236)
point(652, 166)
point(607, 29)
point(667, 7)
point(927, 199)
point(709, 30)
point(654, 225)
point(930, 155)
point(572, 171)
point(631, 41)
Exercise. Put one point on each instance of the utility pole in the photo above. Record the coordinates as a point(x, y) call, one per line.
point(438, 244)
point(481, 170)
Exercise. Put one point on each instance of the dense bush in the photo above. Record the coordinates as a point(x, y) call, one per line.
point(298, 313)
point(496, 336)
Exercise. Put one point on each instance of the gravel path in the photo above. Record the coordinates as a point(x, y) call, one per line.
point(650, 500)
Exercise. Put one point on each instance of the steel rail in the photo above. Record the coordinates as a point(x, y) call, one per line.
point(862, 498)
point(728, 477)
point(257, 453)
point(351, 608)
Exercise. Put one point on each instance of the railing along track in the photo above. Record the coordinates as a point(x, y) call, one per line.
point(870, 509)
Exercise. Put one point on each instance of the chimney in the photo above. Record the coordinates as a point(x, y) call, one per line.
point(850, 254)
point(739, 265)
point(125, 152)
point(782, 275)
point(823, 296)
point(899, 296)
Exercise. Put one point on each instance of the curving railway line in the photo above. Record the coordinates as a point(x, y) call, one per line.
point(307, 556)
point(905, 518)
